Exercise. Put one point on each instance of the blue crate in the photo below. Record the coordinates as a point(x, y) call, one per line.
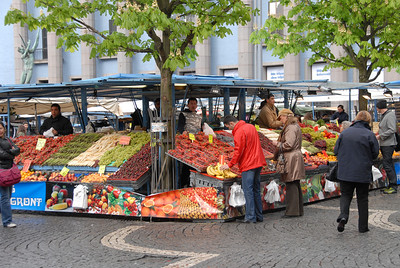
point(397, 169)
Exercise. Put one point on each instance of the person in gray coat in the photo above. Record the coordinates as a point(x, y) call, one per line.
point(387, 141)
point(356, 148)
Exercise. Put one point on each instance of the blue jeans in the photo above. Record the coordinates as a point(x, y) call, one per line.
point(252, 194)
point(5, 195)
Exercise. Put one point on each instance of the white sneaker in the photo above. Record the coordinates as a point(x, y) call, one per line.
point(11, 225)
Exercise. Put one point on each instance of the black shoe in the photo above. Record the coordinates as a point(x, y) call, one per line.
point(364, 231)
point(260, 220)
point(245, 221)
point(341, 225)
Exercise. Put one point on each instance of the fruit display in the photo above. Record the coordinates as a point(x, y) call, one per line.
point(94, 178)
point(79, 144)
point(266, 143)
point(59, 199)
point(270, 134)
point(221, 174)
point(91, 156)
point(27, 145)
point(122, 202)
point(161, 205)
point(121, 153)
point(98, 200)
point(31, 175)
point(199, 153)
point(56, 176)
point(135, 167)
point(199, 203)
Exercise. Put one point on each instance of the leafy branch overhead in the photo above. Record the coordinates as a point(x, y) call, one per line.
point(164, 30)
point(367, 31)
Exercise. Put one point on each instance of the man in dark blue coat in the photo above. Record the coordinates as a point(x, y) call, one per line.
point(356, 148)
point(340, 115)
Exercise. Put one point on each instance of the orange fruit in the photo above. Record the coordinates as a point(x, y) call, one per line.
point(160, 213)
point(159, 201)
point(168, 200)
point(167, 209)
point(145, 211)
point(148, 203)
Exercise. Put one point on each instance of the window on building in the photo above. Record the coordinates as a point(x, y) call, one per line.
point(43, 81)
point(41, 53)
point(187, 73)
point(275, 73)
point(230, 72)
point(318, 73)
point(76, 78)
point(111, 27)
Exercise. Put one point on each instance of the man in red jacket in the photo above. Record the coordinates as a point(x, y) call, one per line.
point(248, 154)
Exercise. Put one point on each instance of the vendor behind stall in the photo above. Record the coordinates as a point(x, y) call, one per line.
point(189, 122)
point(60, 124)
point(268, 117)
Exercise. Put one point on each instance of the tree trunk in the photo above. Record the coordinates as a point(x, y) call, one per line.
point(362, 102)
point(166, 174)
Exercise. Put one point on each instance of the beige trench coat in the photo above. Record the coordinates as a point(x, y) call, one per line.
point(268, 118)
point(291, 138)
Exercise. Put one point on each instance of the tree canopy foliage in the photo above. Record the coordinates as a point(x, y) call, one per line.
point(367, 30)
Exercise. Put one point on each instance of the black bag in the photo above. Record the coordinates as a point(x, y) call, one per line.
point(397, 148)
point(332, 173)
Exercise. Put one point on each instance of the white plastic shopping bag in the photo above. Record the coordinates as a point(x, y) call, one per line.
point(80, 197)
point(272, 195)
point(329, 186)
point(236, 196)
point(48, 133)
point(376, 174)
point(208, 130)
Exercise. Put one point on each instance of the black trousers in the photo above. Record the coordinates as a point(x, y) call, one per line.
point(387, 161)
point(185, 176)
point(347, 191)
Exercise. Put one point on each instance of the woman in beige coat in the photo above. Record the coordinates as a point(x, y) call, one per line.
point(290, 140)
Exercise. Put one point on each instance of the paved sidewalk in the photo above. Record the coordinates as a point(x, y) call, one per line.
point(309, 241)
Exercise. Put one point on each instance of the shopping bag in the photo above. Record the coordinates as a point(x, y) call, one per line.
point(207, 130)
point(272, 194)
point(236, 196)
point(329, 186)
point(376, 174)
point(10, 176)
point(80, 197)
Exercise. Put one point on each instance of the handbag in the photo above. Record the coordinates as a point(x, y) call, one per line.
point(397, 147)
point(280, 164)
point(332, 173)
point(10, 176)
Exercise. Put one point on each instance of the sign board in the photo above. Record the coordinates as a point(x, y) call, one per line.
point(275, 73)
point(29, 196)
point(318, 73)
point(124, 140)
point(40, 144)
point(159, 127)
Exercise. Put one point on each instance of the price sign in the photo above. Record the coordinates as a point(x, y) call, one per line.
point(192, 137)
point(221, 159)
point(40, 144)
point(307, 155)
point(210, 138)
point(257, 127)
point(102, 169)
point(64, 171)
point(124, 140)
point(27, 164)
point(324, 153)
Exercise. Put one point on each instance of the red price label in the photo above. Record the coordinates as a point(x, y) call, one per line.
point(27, 165)
point(124, 140)
point(307, 155)
point(222, 159)
point(324, 153)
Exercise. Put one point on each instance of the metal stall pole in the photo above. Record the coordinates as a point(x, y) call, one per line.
point(84, 108)
point(210, 110)
point(242, 104)
point(8, 114)
point(286, 99)
point(349, 111)
point(227, 96)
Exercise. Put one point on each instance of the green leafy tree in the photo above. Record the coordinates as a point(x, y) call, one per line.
point(367, 30)
point(165, 30)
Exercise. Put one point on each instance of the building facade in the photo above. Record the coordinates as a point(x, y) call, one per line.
point(232, 56)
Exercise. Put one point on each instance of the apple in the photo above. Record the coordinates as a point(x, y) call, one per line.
point(69, 202)
point(56, 188)
point(64, 192)
point(54, 194)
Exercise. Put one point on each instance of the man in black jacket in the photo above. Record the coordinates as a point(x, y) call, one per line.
point(61, 125)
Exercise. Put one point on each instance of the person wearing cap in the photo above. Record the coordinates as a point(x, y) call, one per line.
point(268, 117)
point(290, 141)
point(356, 148)
point(340, 115)
point(387, 142)
point(249, 156)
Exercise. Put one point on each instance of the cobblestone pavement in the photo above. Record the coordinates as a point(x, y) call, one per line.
point(309, 241)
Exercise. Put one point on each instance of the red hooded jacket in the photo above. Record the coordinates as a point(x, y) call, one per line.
point(248, 152)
